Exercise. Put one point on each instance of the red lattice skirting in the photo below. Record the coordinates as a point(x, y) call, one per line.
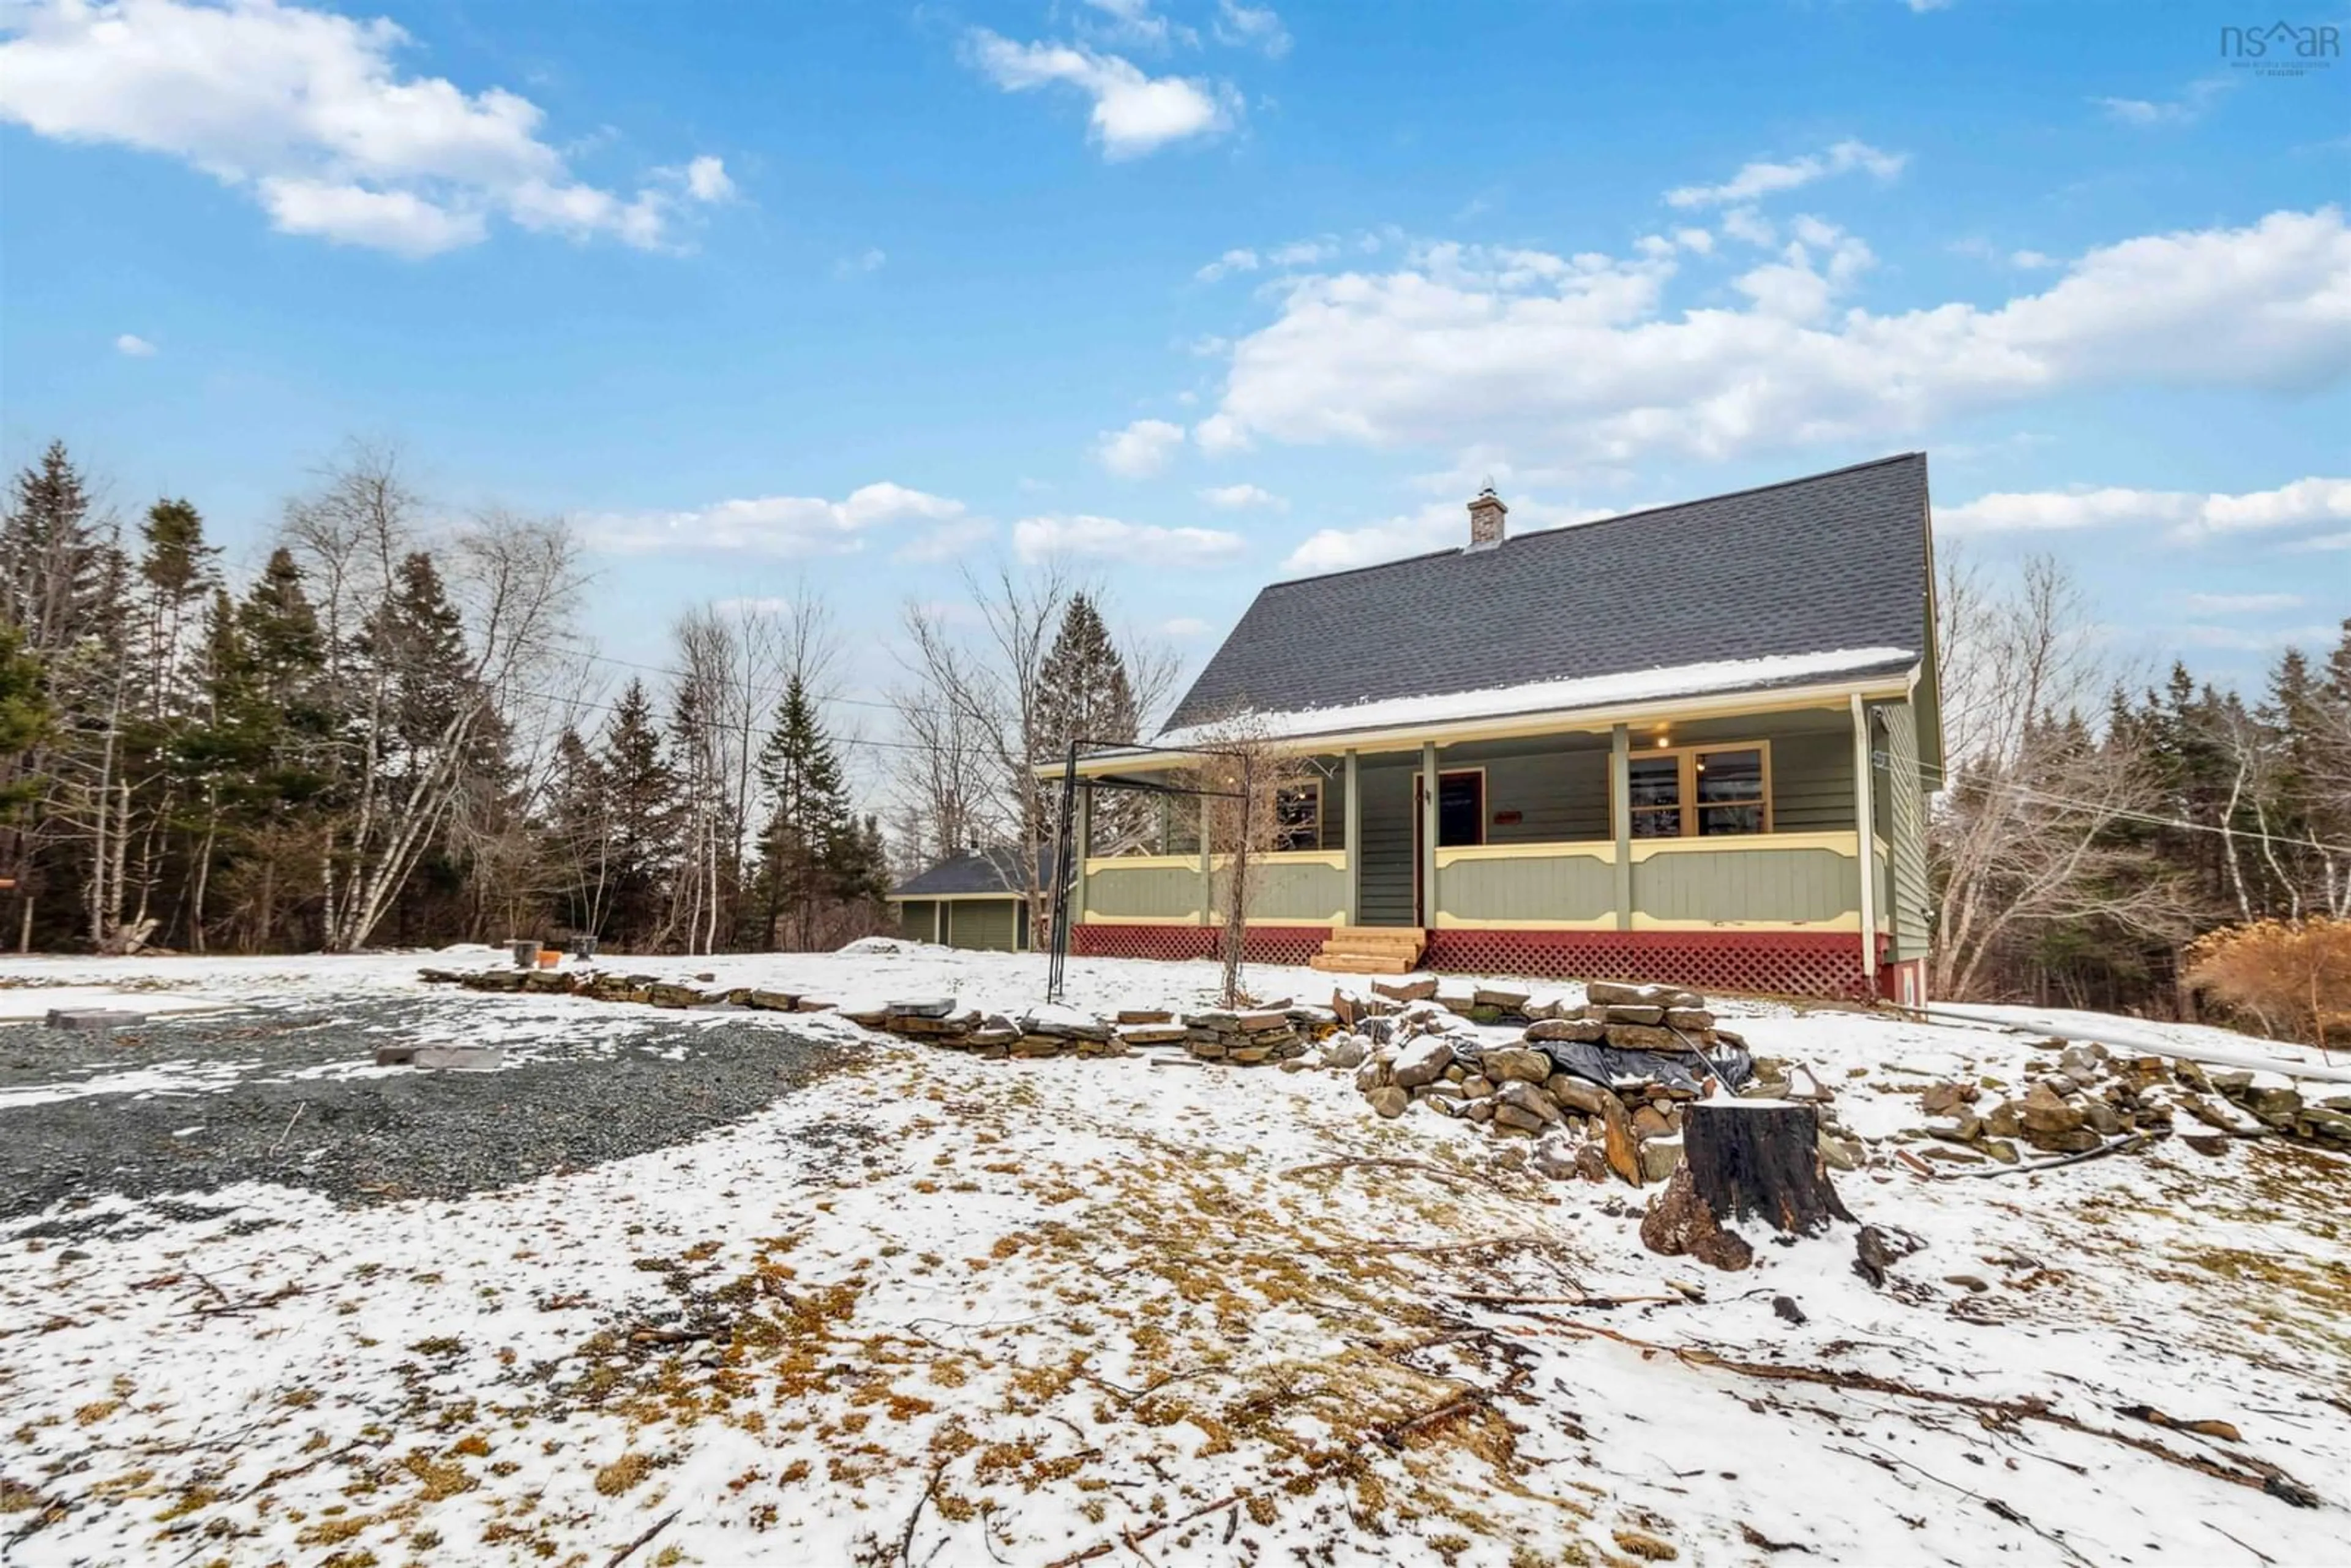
point(1265, 944)
point(1783, 963)
point(1786, 962)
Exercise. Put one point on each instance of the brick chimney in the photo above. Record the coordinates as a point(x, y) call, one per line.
point(1486, 515)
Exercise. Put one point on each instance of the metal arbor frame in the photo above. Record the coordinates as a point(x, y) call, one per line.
point(1065, 850)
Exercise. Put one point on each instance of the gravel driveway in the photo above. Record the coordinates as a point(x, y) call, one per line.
point(289, 1094)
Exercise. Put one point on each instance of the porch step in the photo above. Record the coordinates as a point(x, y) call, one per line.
point(1370, 950)
point(1362, 963)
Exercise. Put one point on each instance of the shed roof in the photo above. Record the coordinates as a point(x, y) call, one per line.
point(1773, 586)
point(979, 871)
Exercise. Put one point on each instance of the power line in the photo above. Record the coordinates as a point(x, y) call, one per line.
point(2149, 818)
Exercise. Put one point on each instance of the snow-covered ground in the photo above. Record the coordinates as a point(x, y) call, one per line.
point(934, 1309)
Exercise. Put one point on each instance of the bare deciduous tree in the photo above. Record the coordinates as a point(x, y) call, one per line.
point(2027, 832)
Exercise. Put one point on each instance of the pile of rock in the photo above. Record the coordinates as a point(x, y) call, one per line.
point(602, 985)
point(1256, 1037)
point(1420, 1055)
point(1046, 1032)
point(2088, 1096)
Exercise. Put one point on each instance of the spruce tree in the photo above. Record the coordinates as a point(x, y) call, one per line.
point(809, 841)
point(1086, 697)
point(641, 805)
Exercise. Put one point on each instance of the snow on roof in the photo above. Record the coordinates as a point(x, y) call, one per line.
point(1561, 697)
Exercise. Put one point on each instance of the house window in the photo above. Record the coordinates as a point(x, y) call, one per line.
point(1297, 817)
point(1700, 791)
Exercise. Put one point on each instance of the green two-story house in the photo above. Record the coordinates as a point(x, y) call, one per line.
point(1694, 743)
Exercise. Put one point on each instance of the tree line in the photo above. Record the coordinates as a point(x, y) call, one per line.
point(387, 737)
point(2096, 821)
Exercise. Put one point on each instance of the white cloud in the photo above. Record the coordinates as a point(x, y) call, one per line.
point(2146, 114)
point(1133, 22)
point(132, 344)
point(1759, 179)
point(1036, 538)
point(1238, 259)
point(707, 180)
point(309, 111)
point(1251, 26)
point(2032, 260)
point(1132, 113)
point(1141, 450)
point(771, 524)
point(1747, 224)
point(1436, 525)
point(1239, 497)
point(1580, 354)
point(871, 260)
point(2323, 541)
point(1920, 8)
point(2257, 639)
point(2238, 603)
point(1184, 626)
point(946, 540)
point(1304, 253)
point(2186, 515)
point(1699, 240)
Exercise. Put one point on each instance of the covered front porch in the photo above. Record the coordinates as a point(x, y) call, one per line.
point(1720, 849)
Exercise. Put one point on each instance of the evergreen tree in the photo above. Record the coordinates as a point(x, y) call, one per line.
point(1086, 698)
point(811, 842)
point(642, 807)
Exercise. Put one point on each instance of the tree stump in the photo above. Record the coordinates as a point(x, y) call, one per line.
point(1760, 1157)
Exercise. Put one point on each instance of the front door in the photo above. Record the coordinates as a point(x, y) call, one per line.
point(1460, 820)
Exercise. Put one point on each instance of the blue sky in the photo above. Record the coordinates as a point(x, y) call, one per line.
point(1195, 294)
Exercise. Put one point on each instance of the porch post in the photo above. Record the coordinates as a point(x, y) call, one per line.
point(1620, 819)
point(1082, 844)
point(1353, 816)
point(1429, 833)
point(938, 923)
point(1207, 877)
point(1865, 818)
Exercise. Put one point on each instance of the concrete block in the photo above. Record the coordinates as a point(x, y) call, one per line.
point(97, 1019)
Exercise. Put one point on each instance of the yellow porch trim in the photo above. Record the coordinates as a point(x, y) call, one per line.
point(1096, 864)
point(1337, 917)
point(1845, 843)
point(1601, 850)
point(1850, 921)
point(1456, 923)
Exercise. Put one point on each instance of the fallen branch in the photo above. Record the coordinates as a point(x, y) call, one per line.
point(1390, 1162)
point(1129, 1537)
point(1487, 1298)
point(906, 1536)
point(288, 1133)
point(2259, 1475)
point(1432, 1248)
point(624, 1554)
point(2119, 1146)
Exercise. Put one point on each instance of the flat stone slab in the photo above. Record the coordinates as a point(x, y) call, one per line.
point(94, 1018)
point(460, 1058)
point(924, 1006)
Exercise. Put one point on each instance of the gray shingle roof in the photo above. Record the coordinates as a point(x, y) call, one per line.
point(982, 871)
point(1835, 561)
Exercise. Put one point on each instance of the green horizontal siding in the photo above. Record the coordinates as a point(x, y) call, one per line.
point(1554, 887)
point(1906, 798)
point(1305, 893)
point(1746, 884)
point(1170, 892)
point(915, 917)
